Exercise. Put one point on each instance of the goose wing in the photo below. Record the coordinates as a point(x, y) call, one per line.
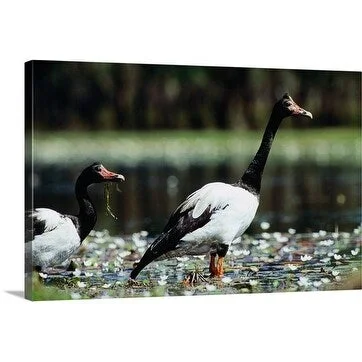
point(40, 221)
point(198, 207)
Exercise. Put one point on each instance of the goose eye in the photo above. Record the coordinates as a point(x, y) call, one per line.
point(288, 104)
point(98, 168)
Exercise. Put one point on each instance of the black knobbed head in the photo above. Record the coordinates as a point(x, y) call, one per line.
point(287, 107)
point(97, 173)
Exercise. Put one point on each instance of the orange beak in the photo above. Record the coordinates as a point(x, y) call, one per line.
point(111, 176)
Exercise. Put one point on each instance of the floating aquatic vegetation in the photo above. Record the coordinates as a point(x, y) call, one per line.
point(236, 252)
point(226, 280)
point(210, 287)
point(286, 249)
point(358, 230)
point(265, 225)
point(88, 262)
point(140, 239)
point(182, 258)
point(254, 268)
point(326, 260)
point(306, 257)
point(163, 280)
point(354, 252)
point(281, 238)
point(303, 282)
point(263, 245)
point(124, 253)
point(77, 272)
point(254, 264)
point(327, 242)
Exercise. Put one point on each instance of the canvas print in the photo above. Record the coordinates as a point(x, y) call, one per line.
point(147, 180)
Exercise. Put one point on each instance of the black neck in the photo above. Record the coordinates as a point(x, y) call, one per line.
point(87, 216)
point(251, 179)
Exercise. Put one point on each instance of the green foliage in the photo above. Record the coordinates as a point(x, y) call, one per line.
point(42, 292)
point(183, 147)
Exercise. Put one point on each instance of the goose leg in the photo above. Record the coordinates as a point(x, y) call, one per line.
point(212, 266)
point(218, 269)
point(220, 266)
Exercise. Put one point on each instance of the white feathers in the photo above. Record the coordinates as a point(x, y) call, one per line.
point(233, 209)
point(200, 207)
point(58, 241)
point(50, 217)
point(217, 195)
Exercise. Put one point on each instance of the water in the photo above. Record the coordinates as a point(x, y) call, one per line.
point(267, 262)
point(305, 196)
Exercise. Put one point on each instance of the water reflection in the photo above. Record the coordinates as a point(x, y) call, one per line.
point(303, 196)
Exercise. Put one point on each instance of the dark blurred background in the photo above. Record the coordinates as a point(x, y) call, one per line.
point(86, 111)
point(99, 96)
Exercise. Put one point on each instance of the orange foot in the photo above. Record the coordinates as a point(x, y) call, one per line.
point(192, 278)
point(218, 269)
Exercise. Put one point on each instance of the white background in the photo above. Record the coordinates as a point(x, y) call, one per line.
point(292, 326)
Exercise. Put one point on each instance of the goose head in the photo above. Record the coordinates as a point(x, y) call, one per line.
point(97, 173)
point(286, 107)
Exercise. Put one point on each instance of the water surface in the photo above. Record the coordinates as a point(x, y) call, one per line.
point(305, 196)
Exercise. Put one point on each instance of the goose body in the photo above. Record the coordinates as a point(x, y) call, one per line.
point(216, 214)
point(57, 241)
point(52, 237)
point(225, 210)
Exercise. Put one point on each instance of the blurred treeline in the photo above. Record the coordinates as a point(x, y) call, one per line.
point(105, 96)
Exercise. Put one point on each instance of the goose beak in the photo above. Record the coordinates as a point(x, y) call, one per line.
point(111, 176)
point(120, 177)
point(305, 113)
point(298, 111)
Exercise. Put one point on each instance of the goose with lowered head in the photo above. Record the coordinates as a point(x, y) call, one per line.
point(51, 237)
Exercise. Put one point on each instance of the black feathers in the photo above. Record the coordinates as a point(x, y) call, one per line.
point(33, 225)
point(179, 224)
